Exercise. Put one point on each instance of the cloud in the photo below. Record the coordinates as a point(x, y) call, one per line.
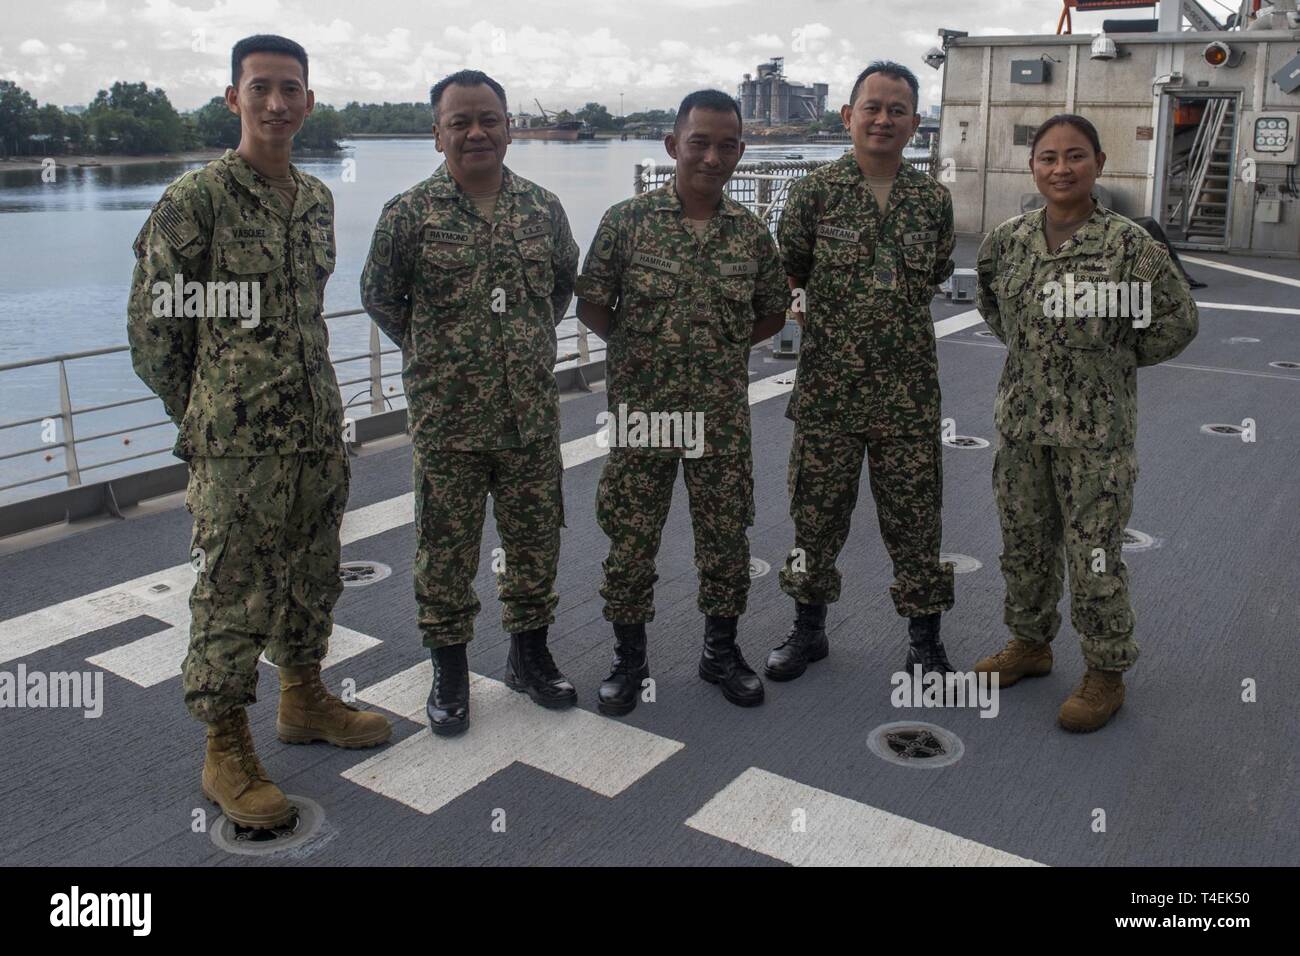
point(33, 48)
point(68, 49)
point(83, 11)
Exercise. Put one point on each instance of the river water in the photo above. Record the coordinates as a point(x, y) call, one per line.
point(66, 264)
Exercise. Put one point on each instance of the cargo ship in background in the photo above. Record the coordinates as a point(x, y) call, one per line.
point(526, 126)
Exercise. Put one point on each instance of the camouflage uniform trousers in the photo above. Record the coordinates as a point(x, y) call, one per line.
point(1053, 500)
point(632, 502)
point(906, 475)
point(266, 553)
point(528, 507)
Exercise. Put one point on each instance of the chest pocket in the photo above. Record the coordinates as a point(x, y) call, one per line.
point(646, 299)
point(539, 271)
point(837, 255)
point(244, 263)
point(738, 300)
point(1091, 323)
point(447, 269)
point(919, 259)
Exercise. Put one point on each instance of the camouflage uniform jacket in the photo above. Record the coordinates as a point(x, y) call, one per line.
point(233, 387)
point(684, 310)
point(867, 359)
point(474, 305)
point(1071, 380)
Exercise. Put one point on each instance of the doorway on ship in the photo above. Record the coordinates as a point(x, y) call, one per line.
point(1199, 168)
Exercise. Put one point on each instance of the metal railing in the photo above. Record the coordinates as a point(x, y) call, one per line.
point(66, 416)
point(762, 186)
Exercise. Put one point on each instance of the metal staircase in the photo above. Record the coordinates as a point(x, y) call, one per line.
point(1204, 206)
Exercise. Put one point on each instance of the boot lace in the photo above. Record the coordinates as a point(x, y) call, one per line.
point(244, 751)
point(540, 660)
point(1093, 689)
point(933, 655)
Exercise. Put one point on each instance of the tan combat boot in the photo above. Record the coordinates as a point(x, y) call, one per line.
point(235, 780)
point(1095, 701)
point(1018, 659)
point(308, 712)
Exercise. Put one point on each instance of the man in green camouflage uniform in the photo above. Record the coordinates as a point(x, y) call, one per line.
point(681, 280)
point(257, 405)
point(469, 272)
point(868, 252)
point(1066, 414)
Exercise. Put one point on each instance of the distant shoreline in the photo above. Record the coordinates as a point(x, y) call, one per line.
point(114, 159)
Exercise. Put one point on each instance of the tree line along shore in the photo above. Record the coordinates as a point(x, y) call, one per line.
point(129, 122)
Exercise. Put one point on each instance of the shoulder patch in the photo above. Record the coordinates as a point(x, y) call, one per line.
point(604, 246)
point(382, 252)
point(175, 226)
point(1150, 262)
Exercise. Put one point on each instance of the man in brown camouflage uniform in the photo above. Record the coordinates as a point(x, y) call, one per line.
point(244, 371)
point(469, 272)
point(867, 238)
point(681, 281)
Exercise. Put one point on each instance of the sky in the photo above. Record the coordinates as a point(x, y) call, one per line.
point(562, 52)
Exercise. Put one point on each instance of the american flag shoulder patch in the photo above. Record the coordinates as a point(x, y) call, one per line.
point(1150, 262)
point(177, 229)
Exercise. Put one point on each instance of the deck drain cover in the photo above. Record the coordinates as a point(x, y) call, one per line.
point(244, 841)
point(1221, 429)
point(1285, 364)
point(965, 441)
point(1138, 541)
point(1241, 340)
point(962, 563)
point(758, 567)
point(356, 574)
point(911, 743)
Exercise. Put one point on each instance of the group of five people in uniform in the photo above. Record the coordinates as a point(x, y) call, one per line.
point(470, 271)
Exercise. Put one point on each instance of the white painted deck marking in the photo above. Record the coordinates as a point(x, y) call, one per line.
point(426, 773)
point(158, 657)
point(1240, 270)
point(757, 811)
point(957, 323)
point(1231, 307)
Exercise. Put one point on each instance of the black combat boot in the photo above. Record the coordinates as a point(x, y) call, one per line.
point(448, 706)
point(531, 670)
point(619, 691)
point(926, 649)
point(805, 643)
point(722, 664)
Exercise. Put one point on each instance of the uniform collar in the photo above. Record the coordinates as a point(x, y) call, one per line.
point(1088, 240)
point(257, 184)
point(665, 199)
point(442, 186)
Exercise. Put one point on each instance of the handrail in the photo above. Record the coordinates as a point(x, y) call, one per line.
point(1218, 110)
point(67, 412)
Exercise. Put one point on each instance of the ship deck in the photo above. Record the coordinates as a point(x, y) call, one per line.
point(1187, 773)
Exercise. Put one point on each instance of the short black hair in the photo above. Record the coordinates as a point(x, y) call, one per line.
point(265, 43)
point(466, 78)
point(898, 72)
point(1080, 123)
point(707, 100)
